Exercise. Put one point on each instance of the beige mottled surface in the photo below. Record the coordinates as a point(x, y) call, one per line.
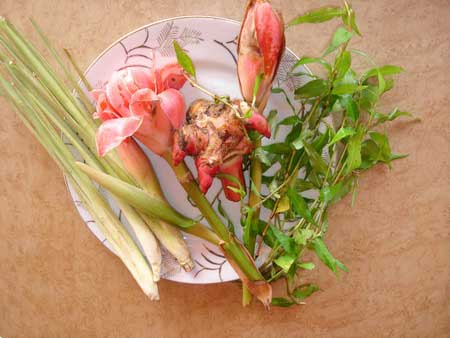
point(56, 279)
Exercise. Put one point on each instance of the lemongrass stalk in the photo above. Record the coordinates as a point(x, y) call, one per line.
point(142, 231)
point(140, 199)
point(140, 168)
point(94, 202)
point(145, 237)
point(32, 58)
point(172, 239)
point(81, 94)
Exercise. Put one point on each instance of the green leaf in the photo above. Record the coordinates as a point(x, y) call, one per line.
point(303, 185)
point(183, 59)
point(342, 89)
point(313, 88)
point(290, 120)
point(325, 256)
point(262, 156)
point(352, 21)
point(271, 118)
point(391, 116)
point(297, 144)
point(321, 141)
point(351, 107)
point(384, 70)
point(301, 236)
point(353, 160)
point(287, 242)
point(278, 148)
point(305, 290)
point(281, 302)
point(342, 64)
point(307, 60)
point(369, 97)
point(332, 194)
point(307, 265)
point(283, 205)
point(369, 154)
point(285, 262)
point(317, 162)
point(340, 37)
point(342, 133)
point(319, 15)
point(380, 152)
point(299, 205)
point(381, 83)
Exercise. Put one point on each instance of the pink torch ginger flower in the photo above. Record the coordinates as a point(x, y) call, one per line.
point(261, 45)
point(141, 103)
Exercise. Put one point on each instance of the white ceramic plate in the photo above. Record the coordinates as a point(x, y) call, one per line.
point(211, 43)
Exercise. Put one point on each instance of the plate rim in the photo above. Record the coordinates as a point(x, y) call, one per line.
point(174, 18)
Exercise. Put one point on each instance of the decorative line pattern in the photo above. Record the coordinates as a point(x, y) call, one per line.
point(214, 266)
point(225, 45)
point(164, 42)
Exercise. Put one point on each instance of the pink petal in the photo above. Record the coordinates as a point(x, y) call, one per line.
point(249, 67)
point(143, 78)
point(172, 104)
point(118, 93)
point(143, 102)
point(104, 110)
point(270, 34)
point(113, 132)
point(95, 93)
point(172, 76)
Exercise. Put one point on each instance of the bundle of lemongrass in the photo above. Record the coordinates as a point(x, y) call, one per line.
point(48, 108)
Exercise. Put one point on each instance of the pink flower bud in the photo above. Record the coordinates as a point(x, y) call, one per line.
point(261, 45)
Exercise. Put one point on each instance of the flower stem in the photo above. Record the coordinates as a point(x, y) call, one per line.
point(242, 261)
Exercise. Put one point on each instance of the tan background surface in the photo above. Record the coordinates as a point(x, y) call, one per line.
point(56, 279)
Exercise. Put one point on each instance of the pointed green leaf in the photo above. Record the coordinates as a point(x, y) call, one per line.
point(285, 241)
point(281, 302)
point(307, 265)
point(277, 148)
point(353, 160)
point(342, 64)
point(340, 37)
point(285, 262)
point(299, 205)
point(341, 89)
point(342, 133)
point(305, 290)
point(319, 15)
point(332, 194)
point(183, 59)
point(307, 60)
point(325, 256)
point(313, 88)
point(317, 162)
point(384, 70)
